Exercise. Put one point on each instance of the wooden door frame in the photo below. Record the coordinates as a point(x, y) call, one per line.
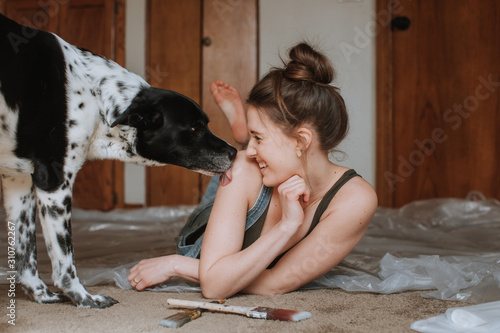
point(384, 107)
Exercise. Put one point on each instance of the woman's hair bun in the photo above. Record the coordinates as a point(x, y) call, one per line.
point(300, 93)
point(307, 64)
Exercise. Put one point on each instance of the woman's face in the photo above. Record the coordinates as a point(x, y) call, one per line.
point(275, 152)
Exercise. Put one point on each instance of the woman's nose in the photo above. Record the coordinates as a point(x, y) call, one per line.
point(251, 152)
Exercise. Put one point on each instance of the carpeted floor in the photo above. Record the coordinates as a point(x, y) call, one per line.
point(426, 239)
point(333, 310)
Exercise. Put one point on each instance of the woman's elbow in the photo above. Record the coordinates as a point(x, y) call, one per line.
point(269, 292)
point(211, 291)
point(263, 289)
point(213, 288)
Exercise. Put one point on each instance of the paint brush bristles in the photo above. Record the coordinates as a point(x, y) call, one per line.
point(184, 316)
point(180, 318)
point(251, 312)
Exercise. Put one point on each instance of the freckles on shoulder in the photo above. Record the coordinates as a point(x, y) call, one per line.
point(246, 178)
point(245, 167)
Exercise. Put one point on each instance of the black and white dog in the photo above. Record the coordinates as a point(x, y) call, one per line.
point(61, 105)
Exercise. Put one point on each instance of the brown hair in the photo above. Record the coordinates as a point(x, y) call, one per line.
point(300, 93)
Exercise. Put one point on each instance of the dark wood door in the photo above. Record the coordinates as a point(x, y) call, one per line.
point(91, 24)
point(96, 25)
point(232, 29)
point(178, 60)
point(174, 62)
point(438, 103)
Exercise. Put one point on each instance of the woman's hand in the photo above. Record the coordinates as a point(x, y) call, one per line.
point(152, 271)
point(294, 196)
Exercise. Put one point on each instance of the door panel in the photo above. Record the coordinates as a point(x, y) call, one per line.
point(180, 63)
point(173, 62)
point(439, 116)
point(232, 56)
point(89, 24)
point(31, 14)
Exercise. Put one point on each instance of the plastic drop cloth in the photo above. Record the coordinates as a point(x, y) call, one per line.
point(480, 318)
point(448, 247)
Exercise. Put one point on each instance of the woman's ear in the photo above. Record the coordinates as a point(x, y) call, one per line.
point(305, 137)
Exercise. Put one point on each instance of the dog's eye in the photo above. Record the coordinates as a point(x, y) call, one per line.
point(196, 128)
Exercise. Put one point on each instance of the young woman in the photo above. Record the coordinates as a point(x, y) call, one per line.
point(285, 214)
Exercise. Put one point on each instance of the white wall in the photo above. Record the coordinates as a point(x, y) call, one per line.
point(344, 30)
point(135, 61)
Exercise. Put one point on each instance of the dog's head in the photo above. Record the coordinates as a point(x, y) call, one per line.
point(172, 129)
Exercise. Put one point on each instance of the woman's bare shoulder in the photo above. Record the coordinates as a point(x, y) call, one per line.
point(356, 197)
point(246, 177)
point(245, 169)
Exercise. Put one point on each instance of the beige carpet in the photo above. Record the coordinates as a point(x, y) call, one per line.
point(333, 310)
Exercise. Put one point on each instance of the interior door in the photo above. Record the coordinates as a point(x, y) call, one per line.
point(91, 24)
point(192, 43)
point(173, 62)
point(438, 107)
point(230, 54)
point(96, 25)
point(30, 13)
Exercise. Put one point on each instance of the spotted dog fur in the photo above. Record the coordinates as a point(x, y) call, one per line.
point(61, 105)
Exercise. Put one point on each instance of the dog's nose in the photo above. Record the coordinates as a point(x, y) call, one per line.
point(232, 153)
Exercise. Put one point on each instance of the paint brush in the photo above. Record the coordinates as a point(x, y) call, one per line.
point(251, 312)
point(184, 316)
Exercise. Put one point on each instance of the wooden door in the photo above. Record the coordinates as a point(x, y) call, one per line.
point(91, 24)
point(232, 56)
point(30, 13)
point(438, 108)
point(173, 62)
point(96, 25)
point(177, 60)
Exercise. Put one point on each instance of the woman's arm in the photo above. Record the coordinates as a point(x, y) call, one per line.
point(225, 269)
point(341, 228)
point(152, 271)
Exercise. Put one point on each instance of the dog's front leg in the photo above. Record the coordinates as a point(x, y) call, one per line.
point(55, 216)
point(20, 206)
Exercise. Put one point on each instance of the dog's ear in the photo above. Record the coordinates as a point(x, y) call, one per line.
point(140, 117)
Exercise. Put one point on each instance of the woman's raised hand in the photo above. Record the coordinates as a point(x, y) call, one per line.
point(294, 197)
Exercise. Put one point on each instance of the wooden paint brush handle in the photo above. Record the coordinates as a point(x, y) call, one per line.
point(209, 306)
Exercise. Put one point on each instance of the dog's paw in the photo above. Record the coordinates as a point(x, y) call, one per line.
point(43, 295)
point(93, 301)
point(54, 298)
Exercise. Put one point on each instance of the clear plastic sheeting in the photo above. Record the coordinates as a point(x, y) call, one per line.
point(481, 318)
point(448, 247)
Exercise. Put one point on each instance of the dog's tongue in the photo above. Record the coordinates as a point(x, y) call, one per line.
point(225, 178)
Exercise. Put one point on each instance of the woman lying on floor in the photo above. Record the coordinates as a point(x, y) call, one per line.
point(285, 214)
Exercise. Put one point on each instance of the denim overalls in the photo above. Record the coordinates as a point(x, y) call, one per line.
point(191, 235)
